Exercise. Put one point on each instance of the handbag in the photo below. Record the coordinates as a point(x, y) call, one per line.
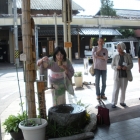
point(129, 73)
point(103, 114)
point(92, 70)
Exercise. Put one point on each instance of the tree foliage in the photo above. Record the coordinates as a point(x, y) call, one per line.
point(127, 32)
point(107, 8)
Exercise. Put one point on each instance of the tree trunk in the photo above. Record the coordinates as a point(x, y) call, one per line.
point(29, 65)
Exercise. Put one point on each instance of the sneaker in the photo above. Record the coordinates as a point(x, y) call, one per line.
point(123, 104)
point(113, 106)
point(98, 97)
point(103, 97)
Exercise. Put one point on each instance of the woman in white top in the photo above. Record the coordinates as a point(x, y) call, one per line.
point(122, 64)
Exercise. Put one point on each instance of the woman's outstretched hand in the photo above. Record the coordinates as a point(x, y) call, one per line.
point(40, 61)
point(45, 58)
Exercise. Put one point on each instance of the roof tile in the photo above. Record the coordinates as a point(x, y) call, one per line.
point(95, 31)
point(82, 31)
point(49, 5)
point(127, 13)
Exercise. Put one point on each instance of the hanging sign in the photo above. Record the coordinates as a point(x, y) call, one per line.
point(23, 57)
point(68, 44)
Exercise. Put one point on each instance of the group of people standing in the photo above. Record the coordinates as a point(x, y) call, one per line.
point(121, 64)
point(62, 72)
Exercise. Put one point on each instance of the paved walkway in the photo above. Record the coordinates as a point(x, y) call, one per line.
point(124, 130)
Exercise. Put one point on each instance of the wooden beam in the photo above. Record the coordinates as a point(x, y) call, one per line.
point(104, 22)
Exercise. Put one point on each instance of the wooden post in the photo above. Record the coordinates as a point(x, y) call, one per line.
point(29, 64)
point(41, 99)
point(78, 38)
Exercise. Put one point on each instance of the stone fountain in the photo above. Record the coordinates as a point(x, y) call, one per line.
point(68, 115)
point(74, 116)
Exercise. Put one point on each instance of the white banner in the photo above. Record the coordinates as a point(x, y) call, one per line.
point(132, 52)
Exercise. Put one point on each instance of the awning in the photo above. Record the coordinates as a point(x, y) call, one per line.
point(82, 31)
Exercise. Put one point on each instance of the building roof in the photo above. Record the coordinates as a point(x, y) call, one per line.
point(127, 13)
point(48, 5)
point(50, 31)
point(95, 31)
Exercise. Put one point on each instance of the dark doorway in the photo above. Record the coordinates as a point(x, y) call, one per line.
point(3, 53)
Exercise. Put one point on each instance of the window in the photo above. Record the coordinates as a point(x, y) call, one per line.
point(115, 45)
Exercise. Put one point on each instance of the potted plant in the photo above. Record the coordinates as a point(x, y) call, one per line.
point(11, 126)
point(78, 78)
point(33, 128)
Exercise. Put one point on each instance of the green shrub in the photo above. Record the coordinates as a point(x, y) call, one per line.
point(12, 122)
point(78, 74)
point(57, 131)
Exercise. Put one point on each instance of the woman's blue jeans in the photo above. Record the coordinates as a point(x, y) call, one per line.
point(103, 74)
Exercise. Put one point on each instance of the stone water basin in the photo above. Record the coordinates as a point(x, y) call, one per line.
point(68, 115)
